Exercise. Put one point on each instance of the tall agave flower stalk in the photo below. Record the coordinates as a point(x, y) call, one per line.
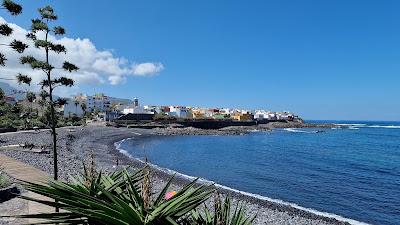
point(146, 188)
point(124, 197)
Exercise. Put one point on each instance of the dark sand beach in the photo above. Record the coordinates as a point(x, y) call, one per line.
point(76, 144)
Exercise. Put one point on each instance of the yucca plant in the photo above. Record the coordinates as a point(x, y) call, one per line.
point(117, 198)
point(222, 214)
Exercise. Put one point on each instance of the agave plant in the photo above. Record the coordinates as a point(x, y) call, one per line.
point(117, 198)
point(222, 214)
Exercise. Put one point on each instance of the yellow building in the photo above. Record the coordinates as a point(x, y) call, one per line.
point(243, 116)
point(198, 115)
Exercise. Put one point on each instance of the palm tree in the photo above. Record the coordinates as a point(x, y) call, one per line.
point(76, 103)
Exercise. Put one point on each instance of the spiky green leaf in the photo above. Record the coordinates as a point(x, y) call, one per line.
point(3, 59)
point(5, 29)
point(69, 67)
point(31, 36)
point(38, 25)
point(42, 44)
point(27, 59)
point(12, 7)
point(58, 30)
point(47, 12)
point(24, 79)
point(58, 48)
point(64, 81)
point(41, 65)
point(18, 46)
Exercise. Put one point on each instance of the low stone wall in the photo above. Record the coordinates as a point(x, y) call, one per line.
point(4, 130)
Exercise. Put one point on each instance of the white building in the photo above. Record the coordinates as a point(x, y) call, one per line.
point(265, 115)
point(180, 112)
point(136, 108)
point(284, 116)
point(97, 103)
point(153, 108)
point(260, 115)
point(108, 116)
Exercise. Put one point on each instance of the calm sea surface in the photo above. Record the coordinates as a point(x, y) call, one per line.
point(351, 172)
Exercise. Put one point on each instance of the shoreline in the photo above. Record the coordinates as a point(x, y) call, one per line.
point(263, 201)
point(101, 140)
point(172, 129)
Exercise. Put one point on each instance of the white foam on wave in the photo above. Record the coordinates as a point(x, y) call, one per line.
point(351, 124)
point(121, 150)
point(385, 126)
point(354, 128)
point(294, 130)
point(205, 181)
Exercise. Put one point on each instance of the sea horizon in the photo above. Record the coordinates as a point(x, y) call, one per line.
point(349, 120)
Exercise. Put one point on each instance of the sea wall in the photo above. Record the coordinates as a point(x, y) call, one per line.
point(201, 124)
point(215, 124)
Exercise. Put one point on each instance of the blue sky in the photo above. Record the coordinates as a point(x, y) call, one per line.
point(320, 59)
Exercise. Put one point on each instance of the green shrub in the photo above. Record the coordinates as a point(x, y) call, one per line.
point(118, 198)
point(124, 197)
point(222, 214)
point(4, 181)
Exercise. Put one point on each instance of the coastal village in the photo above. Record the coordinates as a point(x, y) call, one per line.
point(105, 108)
point(185, 113)
point(108, 109)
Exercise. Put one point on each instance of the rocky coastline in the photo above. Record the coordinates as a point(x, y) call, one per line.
point(174, 129)
point(77, 144)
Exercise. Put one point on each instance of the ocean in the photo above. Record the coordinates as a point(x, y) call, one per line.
point(352, 172)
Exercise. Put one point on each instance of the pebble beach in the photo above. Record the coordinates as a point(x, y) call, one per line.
point(78, 143)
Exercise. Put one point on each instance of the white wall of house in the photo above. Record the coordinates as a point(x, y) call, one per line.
point(93, 103)
point(172, 109)
point(261, 115)
point(179, 112)
point(101, 104)
point(136, 110)
point(284, 116)
point(108, 116)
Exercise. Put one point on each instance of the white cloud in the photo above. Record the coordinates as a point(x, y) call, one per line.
point(115, 80)
point(145, 69)
point(96, 66)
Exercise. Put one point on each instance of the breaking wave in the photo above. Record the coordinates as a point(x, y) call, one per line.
point(294, 130)
point(387, 126)
point(356, 126)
